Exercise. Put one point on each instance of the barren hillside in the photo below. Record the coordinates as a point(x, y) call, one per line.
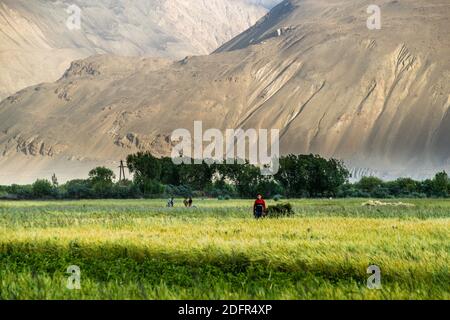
point(378, 99)
point(37, 46)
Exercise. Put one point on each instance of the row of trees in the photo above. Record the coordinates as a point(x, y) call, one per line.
point(299, 176)
point(438, 187)
point(302, 175)
point(100, 185)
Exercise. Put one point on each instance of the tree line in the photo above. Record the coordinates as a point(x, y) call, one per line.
point(299, 176)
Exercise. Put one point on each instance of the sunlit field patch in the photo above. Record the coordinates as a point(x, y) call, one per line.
point(138, 249)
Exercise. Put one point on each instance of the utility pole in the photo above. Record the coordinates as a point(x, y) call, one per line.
point(122, 171)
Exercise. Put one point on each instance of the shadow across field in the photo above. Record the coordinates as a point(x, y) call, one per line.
point(113, 263)
point(140, 250)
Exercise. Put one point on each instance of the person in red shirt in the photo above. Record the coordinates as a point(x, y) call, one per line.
point(259, 208)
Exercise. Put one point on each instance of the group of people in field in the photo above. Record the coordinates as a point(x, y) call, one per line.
point(259, 207)
point(188, 202)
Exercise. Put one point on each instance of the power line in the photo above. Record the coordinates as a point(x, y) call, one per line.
point(122, 170)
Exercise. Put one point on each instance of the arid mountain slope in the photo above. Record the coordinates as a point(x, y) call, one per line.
point(37, 46)
point(378, 99)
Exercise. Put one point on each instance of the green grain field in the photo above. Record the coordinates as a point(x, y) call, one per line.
point(142, 250)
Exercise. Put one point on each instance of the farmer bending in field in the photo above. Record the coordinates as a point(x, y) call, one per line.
point(259, 208)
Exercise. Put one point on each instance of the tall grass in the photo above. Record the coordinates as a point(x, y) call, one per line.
point(141, 250)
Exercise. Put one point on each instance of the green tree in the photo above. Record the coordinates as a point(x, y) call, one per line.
point(403, 187)
point(324, 177)
point(144, 166)
point(337, 174)
point(55, 180)
point(427, 187)
point(441, 185)
point(197, 176)
point(101, 175)
point(101, 179)
point(311, 175)
point(245, 177)
point(42, 189)
point(147, 171)
point(369, 184)
point(293, 175)
point(170, 172)
point(78, 189)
